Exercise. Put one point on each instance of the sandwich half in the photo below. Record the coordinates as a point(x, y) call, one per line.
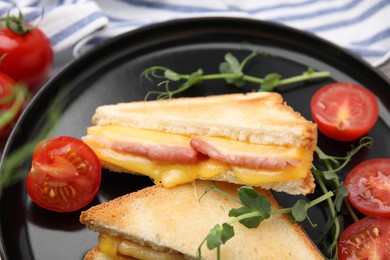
point(253, 139)
point(170, 224)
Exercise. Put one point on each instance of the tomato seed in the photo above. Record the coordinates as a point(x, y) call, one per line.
point(376, 231)
point(52, 193)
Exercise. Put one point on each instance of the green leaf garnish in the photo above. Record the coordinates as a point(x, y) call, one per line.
point(252, 203)
point(233, 67)
point(251, 199)
point(299, 210)
point(219, 235)
point(232, 64)
point(270, 82)
point(171, 75)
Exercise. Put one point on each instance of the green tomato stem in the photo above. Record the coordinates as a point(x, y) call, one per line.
point(16, 24)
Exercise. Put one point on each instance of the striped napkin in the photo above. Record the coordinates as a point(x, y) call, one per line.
point(360, 26)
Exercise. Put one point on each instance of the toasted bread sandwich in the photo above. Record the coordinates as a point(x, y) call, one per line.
point(252, 139)
point(160, 223)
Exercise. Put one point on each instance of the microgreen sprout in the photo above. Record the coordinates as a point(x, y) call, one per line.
point(254, 209)
point(231, 70)
point(327, 176)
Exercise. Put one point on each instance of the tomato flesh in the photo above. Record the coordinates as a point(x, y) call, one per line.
point(344, 111)
point(368, 187)
point(368, 238)
point(65, 174)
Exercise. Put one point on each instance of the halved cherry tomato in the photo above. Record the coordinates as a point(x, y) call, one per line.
point(65, 174)
point(344, 111)
point(367, 238)
point(368, 187)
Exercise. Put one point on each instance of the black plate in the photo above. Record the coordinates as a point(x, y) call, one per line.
point(110, 74)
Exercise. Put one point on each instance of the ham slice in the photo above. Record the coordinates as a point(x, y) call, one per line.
point(151, 150)
point(250, 159)
point(199, 148)
point(160, 152)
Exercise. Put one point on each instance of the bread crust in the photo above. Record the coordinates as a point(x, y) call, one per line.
point(175, 219)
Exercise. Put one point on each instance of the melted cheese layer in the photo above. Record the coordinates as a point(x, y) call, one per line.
point(120, 249)
point(172, 174)
point(124, 133)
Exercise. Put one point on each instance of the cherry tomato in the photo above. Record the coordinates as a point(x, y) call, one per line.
point(367, 238)
point(344, 111)
point(12, 101)
point(27, 55)
point(368, 187)
point(65, 174)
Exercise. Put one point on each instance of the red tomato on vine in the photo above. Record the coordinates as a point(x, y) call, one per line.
point(26, 52)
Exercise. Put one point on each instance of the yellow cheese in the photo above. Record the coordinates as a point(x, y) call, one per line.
point(169, 175)
point(266, 151)
point(253, 177)
point(124, 133)
point(108, 245)
point(119, 249)
point(172, 174)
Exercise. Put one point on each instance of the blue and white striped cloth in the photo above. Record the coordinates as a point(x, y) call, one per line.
point(360, 26)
